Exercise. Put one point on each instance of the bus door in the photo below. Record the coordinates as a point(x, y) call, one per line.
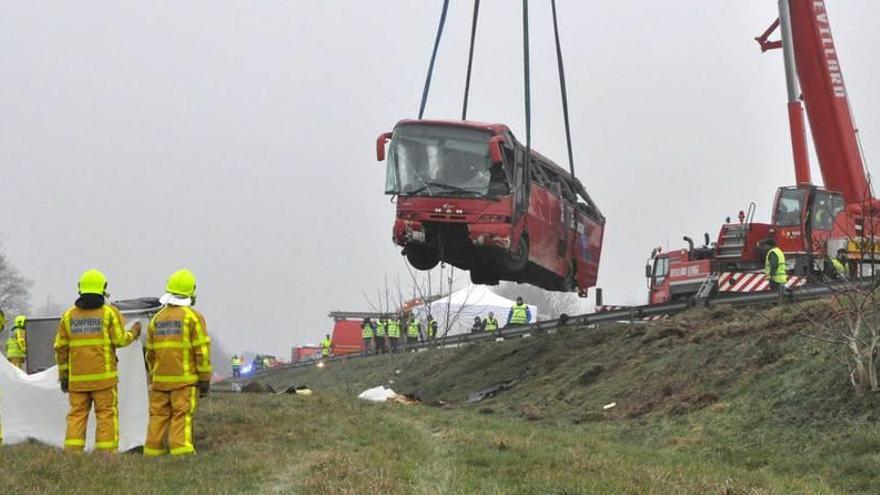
point(520, 179)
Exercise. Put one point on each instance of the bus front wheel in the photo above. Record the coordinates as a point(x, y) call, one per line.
point(515, 262)
point(422, 258)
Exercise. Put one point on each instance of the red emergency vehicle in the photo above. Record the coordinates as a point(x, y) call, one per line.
point(470, 194)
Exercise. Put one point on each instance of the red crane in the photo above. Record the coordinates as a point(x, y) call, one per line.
point(808, 221)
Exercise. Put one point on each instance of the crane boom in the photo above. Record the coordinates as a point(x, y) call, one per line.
point(825, 97)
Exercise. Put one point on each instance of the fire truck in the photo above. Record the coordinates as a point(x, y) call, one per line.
point(471, 195)
point(809, 223)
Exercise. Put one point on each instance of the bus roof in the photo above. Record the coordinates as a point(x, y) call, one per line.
point(471, 124)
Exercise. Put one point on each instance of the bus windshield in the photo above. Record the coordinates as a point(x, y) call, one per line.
point(435, 160)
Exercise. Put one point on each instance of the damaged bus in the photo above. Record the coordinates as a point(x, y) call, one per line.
point(471, 195)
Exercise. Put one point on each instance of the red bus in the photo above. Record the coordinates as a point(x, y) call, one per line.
point(467, 195)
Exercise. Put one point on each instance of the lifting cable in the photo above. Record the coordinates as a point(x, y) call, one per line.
point(526, 72)
point(467, 81)
point(527, 83)
point(562, 89)
point(433, 58)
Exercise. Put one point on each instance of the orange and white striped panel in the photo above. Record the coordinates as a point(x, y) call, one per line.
point(752, 282)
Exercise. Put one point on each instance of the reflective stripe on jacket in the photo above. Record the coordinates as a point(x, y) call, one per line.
point(491, 324)
point(838, 266)
point(178, 348)
point(367, 331)
point(236, 361)
point(780, 277)
point(325, 346)
point(85, 347)
point(519, 314)
point(412, 330)
point(394, 329)
point(380, 329)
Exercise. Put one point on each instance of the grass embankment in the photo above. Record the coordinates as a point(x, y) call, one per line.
point(711, 402)
point(734, 389)
point(330, 444)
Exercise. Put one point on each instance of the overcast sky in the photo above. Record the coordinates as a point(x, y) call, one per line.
point(237, 138)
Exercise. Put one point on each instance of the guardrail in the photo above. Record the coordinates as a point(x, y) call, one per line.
point(630, 314)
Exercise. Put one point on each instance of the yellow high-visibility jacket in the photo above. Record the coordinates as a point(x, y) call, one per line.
point(85, 347)
point(16, 345)
point(178, 348)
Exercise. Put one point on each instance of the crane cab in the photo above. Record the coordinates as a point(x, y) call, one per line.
point(805, 220)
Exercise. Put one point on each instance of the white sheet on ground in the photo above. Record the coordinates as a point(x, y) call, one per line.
point(33, 406)
point(377, 394)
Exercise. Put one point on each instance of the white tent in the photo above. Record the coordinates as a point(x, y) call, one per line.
point(464, 304)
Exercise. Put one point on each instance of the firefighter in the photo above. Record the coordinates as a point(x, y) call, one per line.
point(519, 314)
point(179, 364)
point(326, 345)
point(491, 324)
point(381, 330)
point(394, 334)
point(236, 366)
point(413, 329)
point(367, 335)
point(85, 349)
point(16, 344)
point(775, 268)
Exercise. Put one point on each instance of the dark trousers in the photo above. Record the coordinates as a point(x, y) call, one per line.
point(368, 346)
point(380, 345)
point(236, 371)
point(779, 289)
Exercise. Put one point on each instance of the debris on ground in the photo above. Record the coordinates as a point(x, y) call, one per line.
point(406, 399)
point(256, 388)
point(295, 390)
point(377, 394)
point(489, 391)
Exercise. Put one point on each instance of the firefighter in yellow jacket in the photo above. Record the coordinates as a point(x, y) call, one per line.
point(85, 349)
point(16, 344)
point(179, 364)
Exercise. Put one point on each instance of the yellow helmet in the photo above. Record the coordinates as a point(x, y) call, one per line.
point(182, 283)
point(92, 282)
point(20, 321)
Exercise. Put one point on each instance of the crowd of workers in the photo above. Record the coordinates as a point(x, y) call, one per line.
point(177, 360)
point(392, 335)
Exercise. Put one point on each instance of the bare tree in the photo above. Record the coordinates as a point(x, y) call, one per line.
point(14, 289)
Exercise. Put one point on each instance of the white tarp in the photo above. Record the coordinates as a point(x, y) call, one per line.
point(464, 304)
point(33, 406)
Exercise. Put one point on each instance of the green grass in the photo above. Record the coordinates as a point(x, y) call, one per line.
point(330, 444)
point(714, 401)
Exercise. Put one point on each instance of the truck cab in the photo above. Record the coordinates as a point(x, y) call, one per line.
point(677, 275)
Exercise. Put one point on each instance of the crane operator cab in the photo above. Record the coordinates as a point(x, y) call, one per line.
point(805, 219)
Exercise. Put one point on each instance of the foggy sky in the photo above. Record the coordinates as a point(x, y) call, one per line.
point(237, 138)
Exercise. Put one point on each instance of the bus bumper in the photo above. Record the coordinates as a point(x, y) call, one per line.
point(490, 235)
